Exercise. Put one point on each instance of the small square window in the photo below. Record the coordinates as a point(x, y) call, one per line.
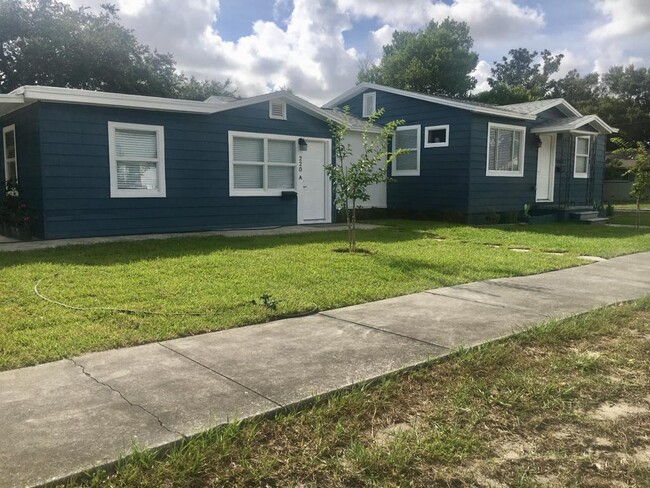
point(436, 136)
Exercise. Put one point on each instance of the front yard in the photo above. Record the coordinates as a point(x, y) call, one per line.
point(566, 404)
point(185, 286)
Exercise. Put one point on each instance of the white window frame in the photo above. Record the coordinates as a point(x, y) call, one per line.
point(576, 155)
point(265, 191)
point(369, 96)
point(161, 191)
point(284, 109)
point(428, 144)
point(522, 151)
point(408, 172)
point(7, 160)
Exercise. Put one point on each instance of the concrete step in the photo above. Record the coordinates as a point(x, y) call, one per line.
point(584, 215)
point(596, 220)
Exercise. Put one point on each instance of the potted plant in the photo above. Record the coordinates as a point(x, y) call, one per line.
point(525, 218)
point(8, 208)
point(22, 223)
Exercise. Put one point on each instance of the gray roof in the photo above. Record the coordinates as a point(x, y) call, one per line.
point(533, 108)
point(574, 123)
point(451, 102)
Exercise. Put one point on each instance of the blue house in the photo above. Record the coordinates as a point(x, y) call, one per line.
point(97, 164)
point(472, 160)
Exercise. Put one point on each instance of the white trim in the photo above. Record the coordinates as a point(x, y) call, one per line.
point(265, 191)
point(283, 104)
point(576, 155)
point(551, 176)
point(371, 97)
point(161, 191)
point(428, 144)
point(565, 107)
point(408, 172)
point(328, 188)
point(7, 160)
point(522, 151)
point(573, 126)
point(352, 92)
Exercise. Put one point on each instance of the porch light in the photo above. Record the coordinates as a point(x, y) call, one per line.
point(302, 144)
point(538, 141)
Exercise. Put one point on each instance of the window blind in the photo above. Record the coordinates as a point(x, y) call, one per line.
point(248, 149)
point(248, 176)
point(136, 144)
point(281, 177)
point(137, 175)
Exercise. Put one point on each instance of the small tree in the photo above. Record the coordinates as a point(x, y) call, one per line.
point(640, 171)
point(351, 181)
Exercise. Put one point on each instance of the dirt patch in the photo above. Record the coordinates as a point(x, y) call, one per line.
point(617, 411)
point(642, 456)
point(385, 435)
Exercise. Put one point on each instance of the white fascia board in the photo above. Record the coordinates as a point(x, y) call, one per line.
point(589, 119)
point(88, 97)
point(562, 105)
point(428, 98)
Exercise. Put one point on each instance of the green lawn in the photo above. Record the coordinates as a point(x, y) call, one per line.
point(562, 405)
point(631, 206)
point(629, 218)
point(216, 278)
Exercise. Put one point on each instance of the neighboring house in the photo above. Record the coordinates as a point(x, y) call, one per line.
point(95, 164)
point(470, 159)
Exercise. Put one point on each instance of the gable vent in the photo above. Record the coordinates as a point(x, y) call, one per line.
point(369, 104)
point(278, 109)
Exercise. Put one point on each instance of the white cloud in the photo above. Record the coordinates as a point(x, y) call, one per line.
point(626, 18)
point(482, 72)
point(489, 20)
point(381, 37)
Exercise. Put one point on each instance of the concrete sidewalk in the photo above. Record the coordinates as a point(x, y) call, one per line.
point(65, 417)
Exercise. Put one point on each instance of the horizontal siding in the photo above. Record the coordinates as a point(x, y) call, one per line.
point(77, 183)
point(28, 154)
point(442, 184)
point(499, 193)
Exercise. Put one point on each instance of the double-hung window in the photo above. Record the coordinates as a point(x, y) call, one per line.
point(10, 158)
point(260, 164)
point(137, 160)
point(505, 150)
point(408, 162)
point(581, 162)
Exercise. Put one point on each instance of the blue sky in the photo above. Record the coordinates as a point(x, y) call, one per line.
point(314, 46)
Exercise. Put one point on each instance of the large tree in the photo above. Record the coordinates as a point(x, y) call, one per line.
point(46, 42)
point(436, 60)
point(520, 77)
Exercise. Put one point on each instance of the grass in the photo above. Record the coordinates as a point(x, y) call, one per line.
point(563, 404)
point(202, 284)
point(629, 206)
point(629, 218)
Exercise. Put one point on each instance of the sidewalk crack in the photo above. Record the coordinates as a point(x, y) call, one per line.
point(160, 422)
point(220, 374)
point(379, 329)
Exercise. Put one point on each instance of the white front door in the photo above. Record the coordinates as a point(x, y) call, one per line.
point(313, 184)
point(545, 169)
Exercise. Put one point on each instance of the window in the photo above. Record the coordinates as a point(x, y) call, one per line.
point(505, 151)
point(260, 164)
point(436, 136)
point(137, 160)
point(278, 109)
point(9, 145)
point(369, 104)
point(408, 163)
point(581, 163)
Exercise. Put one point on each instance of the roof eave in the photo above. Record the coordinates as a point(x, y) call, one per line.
point(427, 98)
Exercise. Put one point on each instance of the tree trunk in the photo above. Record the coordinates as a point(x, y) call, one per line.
point(638, 210)
point(353, 242)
